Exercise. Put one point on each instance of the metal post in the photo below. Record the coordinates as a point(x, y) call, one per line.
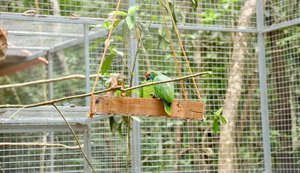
point(50, 75)
point(87, 63)
point(87, 148)
point(50, 97)
point(51, 140)
point(136, 129)
point(263, 87)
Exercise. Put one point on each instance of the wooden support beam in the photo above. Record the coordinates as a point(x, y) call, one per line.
point(147, 107)
point(21, 66)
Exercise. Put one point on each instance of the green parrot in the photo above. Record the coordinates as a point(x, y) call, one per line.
point(163, 91)
point(148, 91)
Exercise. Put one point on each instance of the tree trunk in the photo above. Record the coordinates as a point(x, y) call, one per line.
point(227, 149)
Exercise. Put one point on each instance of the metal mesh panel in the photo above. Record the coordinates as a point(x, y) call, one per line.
point(209, 13)
point(21, 96)
point(120, 63)
point(181, 146)
point(283, 84)
point(38, 36)
point(212, 43)
point(68, 62)
point(71, 8)
point(281, 11)
point(108, 150)
point(39, 158)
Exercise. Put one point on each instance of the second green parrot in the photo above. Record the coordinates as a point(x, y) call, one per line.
point(163, 91)
point(148, 91)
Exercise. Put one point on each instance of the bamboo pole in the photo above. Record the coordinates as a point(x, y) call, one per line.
point(75, 76)
point(103, 91)
point(29, 144)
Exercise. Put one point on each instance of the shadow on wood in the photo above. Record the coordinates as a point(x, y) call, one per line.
point(147, 107)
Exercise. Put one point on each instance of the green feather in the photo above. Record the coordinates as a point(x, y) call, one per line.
point(146, 92)
point(164, 91)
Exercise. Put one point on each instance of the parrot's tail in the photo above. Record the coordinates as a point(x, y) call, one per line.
point(168, 107)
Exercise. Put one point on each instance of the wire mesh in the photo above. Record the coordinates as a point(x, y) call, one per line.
point(167, 145)
point(118, 53)
point(69, 8)
point(281, 11)
point(36, 158)
point(68, 62)
point(282, 47)
point(209, 13)
point(109, 151)
point(183, 146)
point(32, 37)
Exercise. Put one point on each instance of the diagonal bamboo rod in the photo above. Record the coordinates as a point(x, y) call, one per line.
point(76, 138)
point(75, 76)
point(103, 91)
point(182, 47)
point(107, 44)
point(173, 51)
point(29, 144)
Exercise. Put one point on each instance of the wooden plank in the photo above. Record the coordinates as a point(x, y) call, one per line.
point(148, 107)
point(21, 66)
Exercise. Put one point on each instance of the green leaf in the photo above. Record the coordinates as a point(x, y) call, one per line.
point(219, 111)
point(111, 124)
point(153, 18)
point(223, 119)
point(116, 23)
point(119, 13)
point(107, 63)
point(195, 4)
point(130, 20)
point(96, 44)
point(119, 38)
point(120, 130)
point(216, 125)
point(133, 9)
point(162, 31)
point(106, 25)
point(112, 50)
point(163, 44)
point(95, 26)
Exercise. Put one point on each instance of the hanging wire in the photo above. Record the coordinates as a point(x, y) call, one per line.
point(107, 43)
point(173, 51)
point(182, 48)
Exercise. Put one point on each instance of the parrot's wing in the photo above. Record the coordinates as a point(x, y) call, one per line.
point(164, 91)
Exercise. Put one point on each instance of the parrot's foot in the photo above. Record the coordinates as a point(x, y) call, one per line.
point(153, 95)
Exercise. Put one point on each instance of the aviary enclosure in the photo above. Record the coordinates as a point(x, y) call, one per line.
point(250, 50)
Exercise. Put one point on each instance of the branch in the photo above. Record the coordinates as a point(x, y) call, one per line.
point(76, 76)
point(38, 145)
point(77, 140)
point(56, 100)
point(103, 91)
point(167, 81)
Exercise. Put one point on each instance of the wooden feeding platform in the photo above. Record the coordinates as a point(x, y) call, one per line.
point(146, 107)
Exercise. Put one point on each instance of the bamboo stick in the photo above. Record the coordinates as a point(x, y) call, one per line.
point(102, 91)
